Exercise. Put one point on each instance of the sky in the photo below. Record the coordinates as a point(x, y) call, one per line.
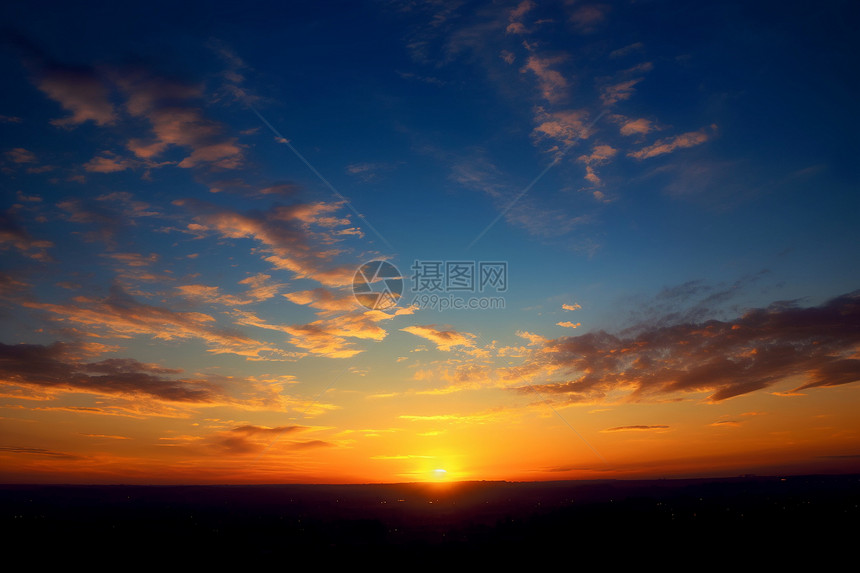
point(378, 241)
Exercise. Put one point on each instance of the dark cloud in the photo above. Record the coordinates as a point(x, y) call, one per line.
point(14, 236)
point(38, 452)
point(726, 358)
point(249, 439)
point(51, 366)
point(635, 428)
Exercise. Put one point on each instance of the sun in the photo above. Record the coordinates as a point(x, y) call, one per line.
point(440, 474)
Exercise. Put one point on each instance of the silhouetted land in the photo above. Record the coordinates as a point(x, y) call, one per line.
point(606, 523)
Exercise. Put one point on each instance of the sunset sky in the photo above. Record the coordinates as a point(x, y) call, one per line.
point(671, 190)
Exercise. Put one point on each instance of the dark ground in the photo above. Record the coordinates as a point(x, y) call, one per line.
point(749, 521)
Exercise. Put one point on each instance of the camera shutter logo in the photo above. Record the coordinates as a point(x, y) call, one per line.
point(377, 285)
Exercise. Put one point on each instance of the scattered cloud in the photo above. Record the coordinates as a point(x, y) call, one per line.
point(14, 236)
point(670, 144)
point(635, 428)
point(586, 17)
point(553, 86)
point(626, 50)
point(639, 126)
point(444, 340)
point(20, 155)
point(80, 91)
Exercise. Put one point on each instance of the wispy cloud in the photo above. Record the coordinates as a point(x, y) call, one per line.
point(443, 339)
point(670, 144)
point(636, 428)
point(120, 315)
point(553, 86)
point(80, 91)
point(52, 367)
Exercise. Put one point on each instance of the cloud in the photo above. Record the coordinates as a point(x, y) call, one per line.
point(725, 359)
point(568, 324)
point(323, 299)
point(80, 91)
point(670, 144)
point(20, 155)
point(635, 428)
point(600, 155)
point(173, 112)
point(12, 235)
point(107, 215)
point(567, 126)
point(248, 439)
point(38, 452)
point(586, 17)
point(553, 86)
point(122, 316)
point(294, 236)
point(444, 339)
point(53, 366)
point(260, 289)
point(574, 306)
point(328, 337)
point(639, 126)
point(516, 26)
point(626, 50)
point(620, 91)
point(134, 259)
point(106, 163)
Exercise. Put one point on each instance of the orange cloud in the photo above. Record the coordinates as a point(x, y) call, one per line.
point(567, 126)
point(618, 92)
point(287, 235)
point(670, 144)
point(600, 155)
point(121, 316)
point(553, 86)
point(445, 340)
point(106, 163)
point(173, 112)
point(639, 126)
point(635, 428)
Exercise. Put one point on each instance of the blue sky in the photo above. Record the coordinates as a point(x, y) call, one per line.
point(650, 165)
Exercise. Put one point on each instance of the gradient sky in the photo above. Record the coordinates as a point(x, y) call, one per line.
point(189, 188)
